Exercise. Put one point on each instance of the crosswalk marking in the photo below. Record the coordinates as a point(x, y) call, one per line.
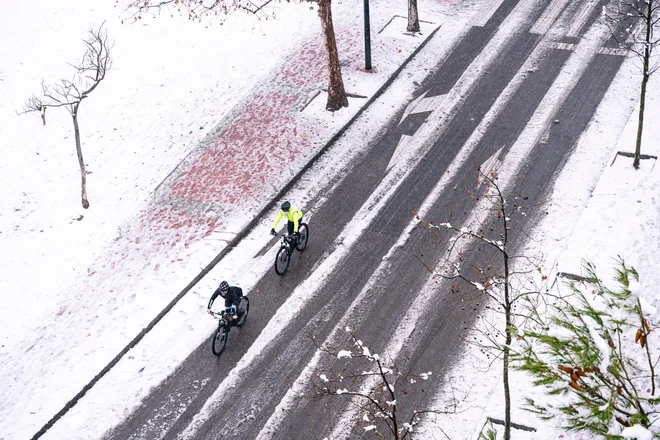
point(564, 46)
point(613, 51)
point(581, 18)
point(549, 16)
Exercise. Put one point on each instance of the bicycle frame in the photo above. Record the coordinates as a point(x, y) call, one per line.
point(222, 319)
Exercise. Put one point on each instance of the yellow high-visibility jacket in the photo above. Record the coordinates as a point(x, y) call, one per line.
point(294, 215)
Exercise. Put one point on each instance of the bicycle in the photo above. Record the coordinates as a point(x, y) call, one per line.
point(226, 322)
point(283, 257)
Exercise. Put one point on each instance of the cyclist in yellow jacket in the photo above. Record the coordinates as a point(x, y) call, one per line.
point(294, 217)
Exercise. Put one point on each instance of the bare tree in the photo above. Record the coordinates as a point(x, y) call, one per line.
point(625, 16)
point(376, 386)
point(502, 276)
point(413, 16)
point(197, 10)
point(69, 93)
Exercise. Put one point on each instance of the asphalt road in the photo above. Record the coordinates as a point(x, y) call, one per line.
point(379, 280)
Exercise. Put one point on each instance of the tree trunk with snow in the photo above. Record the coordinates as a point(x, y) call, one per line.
point(336, 93)
point(413, 16)
point(624, 16)
point(645, 79)
point(81, 162)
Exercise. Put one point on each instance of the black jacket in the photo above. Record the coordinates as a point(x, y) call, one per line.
point(233, 296)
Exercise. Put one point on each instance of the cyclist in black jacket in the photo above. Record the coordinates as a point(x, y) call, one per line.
point(232, 296)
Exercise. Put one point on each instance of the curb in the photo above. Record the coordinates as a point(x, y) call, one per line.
point(239, 236)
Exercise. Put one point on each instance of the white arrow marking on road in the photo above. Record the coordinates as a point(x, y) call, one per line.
point(422, 104)
point(419, 105)
point(398, 154)
point(412, 106)
point(492, 164)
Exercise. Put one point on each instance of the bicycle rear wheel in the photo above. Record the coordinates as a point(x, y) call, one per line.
point(282, 261)
point(303, 229)
point(219, 340)
point(243, 309)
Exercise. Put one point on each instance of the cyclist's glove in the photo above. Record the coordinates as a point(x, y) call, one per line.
point(272, 232)
point(231, 311)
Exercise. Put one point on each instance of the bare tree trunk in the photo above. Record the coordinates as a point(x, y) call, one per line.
point(336, 93)
point(81, 162)
point(506, 352)
point(640, 124)
point(413, 16)
point(645, 80)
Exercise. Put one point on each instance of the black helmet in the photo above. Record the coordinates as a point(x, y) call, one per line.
point(286, 206)
point(224, 287)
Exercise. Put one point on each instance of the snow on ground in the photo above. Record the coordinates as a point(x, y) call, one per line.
point(172, 82)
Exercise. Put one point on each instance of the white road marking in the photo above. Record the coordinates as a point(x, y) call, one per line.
point(399, 154)
point(420, 105)
point(614, 51)
point(410, 109)
point(581, 17)
point(491, 165)
point(564, 46)
point(549, 16)
point(483, 18)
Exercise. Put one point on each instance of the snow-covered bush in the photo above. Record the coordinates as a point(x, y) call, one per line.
point(593, 353)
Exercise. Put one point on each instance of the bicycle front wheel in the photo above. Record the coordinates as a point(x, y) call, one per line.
point(282, 261)
point(219, 340)
point(243, 309)
point(304, 236)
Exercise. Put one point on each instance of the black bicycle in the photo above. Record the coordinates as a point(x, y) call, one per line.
point(226, 322)
point(287, 246)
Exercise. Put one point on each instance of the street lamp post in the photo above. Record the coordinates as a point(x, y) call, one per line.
point(367, 37)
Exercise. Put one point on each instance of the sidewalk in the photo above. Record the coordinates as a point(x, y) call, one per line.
point(206, 202)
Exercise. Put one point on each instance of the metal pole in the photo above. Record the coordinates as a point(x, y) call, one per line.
point(367, 37)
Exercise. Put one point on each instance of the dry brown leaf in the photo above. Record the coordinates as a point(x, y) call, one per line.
point(574, 385)
point(623, 422)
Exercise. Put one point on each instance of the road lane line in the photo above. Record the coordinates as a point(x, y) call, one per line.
point(483, 18)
